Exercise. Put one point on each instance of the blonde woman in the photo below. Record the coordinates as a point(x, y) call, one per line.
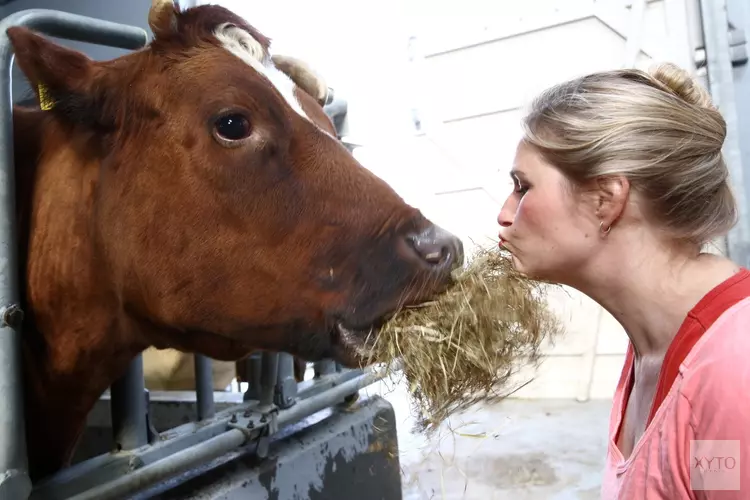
point(619, 184)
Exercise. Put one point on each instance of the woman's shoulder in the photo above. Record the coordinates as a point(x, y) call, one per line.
point(726, 338)
point(718, 366)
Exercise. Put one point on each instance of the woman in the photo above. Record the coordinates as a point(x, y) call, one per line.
point(619, 185)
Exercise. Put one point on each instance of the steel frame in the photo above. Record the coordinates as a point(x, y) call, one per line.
point(141, 458)
point(721, 54)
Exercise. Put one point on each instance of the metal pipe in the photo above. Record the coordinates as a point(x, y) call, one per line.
point(325, 367)
point(336, 109)
point(721, 84)
point(76, 27)
point(328, 398)
point(269, 375)
point(254, 365)
point(128, 408)
point(204, 387)
point(105, 468)
point(14, 479)
point(286, 385)
point(127, 485)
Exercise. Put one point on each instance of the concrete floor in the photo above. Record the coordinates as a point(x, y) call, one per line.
point(515, 450)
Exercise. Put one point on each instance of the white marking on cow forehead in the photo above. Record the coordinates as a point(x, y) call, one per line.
point(242, 44)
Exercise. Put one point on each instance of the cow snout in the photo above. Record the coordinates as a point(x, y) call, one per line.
point(437, 248)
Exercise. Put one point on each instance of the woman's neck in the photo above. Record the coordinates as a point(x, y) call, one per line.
point(649, 289)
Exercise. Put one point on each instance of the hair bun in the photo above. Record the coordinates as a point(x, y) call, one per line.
point(679, 82)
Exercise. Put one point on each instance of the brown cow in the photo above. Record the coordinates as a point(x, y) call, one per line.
point(172, 370)
point(188, 195)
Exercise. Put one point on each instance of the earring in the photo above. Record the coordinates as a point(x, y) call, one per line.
point(601, 228)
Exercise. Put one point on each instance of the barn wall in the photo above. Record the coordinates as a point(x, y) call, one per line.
point(491, 67)
point(436, 94)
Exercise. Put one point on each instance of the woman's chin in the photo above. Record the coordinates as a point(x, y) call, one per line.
point(518, 264)
point(524, 269)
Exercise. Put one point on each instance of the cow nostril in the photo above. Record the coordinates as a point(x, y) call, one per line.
point(437, 247)
point(434, 257)
point(431, 252)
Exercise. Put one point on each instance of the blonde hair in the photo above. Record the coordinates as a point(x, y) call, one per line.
point(659, 129)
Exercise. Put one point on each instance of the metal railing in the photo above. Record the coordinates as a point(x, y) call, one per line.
point(14, 481)
point(141, 459)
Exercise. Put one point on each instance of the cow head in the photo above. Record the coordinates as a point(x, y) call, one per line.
point(225, 213)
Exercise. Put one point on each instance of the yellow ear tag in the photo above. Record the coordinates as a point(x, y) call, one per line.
point(45, 102)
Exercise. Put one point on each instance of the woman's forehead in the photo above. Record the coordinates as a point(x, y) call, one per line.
point(525, 161)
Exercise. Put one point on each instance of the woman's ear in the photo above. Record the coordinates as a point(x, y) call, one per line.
point(611, 197)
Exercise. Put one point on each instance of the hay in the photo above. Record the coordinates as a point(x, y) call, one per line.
point(466, 346)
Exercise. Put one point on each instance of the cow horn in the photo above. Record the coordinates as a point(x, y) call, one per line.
point(161, 17)
point(303, 76)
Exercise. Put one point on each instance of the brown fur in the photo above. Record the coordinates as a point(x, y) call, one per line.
point(137, 228)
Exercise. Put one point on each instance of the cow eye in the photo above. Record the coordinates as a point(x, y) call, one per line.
point(231, 127)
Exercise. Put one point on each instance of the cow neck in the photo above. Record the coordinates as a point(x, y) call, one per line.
point(74, 340)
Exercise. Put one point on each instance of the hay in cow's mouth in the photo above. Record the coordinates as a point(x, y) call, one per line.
point(467, 345)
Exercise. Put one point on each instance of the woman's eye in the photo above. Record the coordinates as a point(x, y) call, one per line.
point(232, 127)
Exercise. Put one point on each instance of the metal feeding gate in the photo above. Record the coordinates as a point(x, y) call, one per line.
point(279, 440)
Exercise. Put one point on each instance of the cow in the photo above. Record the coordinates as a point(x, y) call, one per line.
point(172, 370)
point(189, 195)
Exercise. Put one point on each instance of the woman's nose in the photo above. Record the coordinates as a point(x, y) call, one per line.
point(503, 220)
point(507, 213)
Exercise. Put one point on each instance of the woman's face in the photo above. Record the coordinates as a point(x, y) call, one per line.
point(551, 230)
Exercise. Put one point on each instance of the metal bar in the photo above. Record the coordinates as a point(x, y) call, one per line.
point(255, 364)
point(76, 27)
point(721, 84)
point(337, 111)
point(14, 479)
point(107, 467)
point(269, 375)
point(310, 388)
point(336, 108)
point(325, 367)
point(125, 486)
point(129, 484)
point(286, 385)
point(321, 439)
point(204, 387)
point(129, 422)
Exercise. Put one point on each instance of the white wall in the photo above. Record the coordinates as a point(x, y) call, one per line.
point(480, 64)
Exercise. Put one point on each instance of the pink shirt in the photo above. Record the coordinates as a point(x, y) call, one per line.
point(703, 394)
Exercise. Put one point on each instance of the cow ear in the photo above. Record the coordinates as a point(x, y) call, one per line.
point(62, 78)
point(52, 70)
